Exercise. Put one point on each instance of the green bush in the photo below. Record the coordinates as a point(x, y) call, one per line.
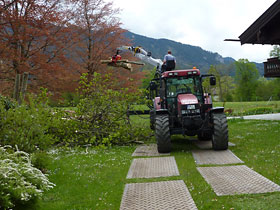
point(27, 128)
point(70, 99)
point(100, 118)
point(33, 126)
point(102, 112)
point(40, 160)
point(20, 182)
point(7, 102)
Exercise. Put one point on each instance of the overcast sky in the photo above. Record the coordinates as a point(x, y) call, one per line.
point(204, 23)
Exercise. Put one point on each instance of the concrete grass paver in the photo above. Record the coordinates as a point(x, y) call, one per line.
point(225, 180)
point(153, 167)
point(208, 144)
point(232, 180)
point(204, 157)
point(147, 150)
point(163, 195)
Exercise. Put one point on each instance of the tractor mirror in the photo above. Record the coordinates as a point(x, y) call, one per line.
point(153, 85)
point(212, 80)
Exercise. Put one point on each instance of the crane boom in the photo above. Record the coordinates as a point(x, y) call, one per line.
point(143, 55)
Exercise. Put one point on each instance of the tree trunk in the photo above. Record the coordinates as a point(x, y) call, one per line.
point(20, 86)
point(23, 86)
point(17, 87)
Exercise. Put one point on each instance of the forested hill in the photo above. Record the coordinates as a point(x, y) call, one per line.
point(186, 55)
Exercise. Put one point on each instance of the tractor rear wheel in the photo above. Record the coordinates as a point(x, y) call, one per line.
point(220, 132)
point(162, 133)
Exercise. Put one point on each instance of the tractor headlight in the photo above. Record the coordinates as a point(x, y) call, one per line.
point(184, 111)
point(191, 111)
point(191, 106)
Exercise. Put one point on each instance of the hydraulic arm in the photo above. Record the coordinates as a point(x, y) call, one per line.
point(143, 55)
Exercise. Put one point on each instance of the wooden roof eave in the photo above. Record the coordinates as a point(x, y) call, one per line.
point(253, 33)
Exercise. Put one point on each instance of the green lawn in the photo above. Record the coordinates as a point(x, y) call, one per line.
point(95, 178)
point(92, 179)
point(240, 108)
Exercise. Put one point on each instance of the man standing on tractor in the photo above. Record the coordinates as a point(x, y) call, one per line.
point(169, 61)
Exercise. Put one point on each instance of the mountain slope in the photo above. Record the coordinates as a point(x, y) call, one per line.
point(187, 56)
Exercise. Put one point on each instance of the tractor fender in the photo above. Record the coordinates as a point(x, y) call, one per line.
point(217, 110)
point(162, 111)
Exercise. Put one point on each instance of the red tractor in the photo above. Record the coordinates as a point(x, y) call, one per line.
point(181, 107)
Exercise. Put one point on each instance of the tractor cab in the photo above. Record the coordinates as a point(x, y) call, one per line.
point(179, 88)
point(183, 89)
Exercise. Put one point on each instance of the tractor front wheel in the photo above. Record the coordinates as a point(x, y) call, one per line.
point(162, 133)
point(220, 132)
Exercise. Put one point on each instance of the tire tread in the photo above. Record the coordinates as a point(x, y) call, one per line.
point(220, 134)
point(162, 133)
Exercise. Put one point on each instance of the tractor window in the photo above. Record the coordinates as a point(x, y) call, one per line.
point(187, 85)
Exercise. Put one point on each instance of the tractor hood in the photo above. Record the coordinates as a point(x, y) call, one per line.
point(184, 99)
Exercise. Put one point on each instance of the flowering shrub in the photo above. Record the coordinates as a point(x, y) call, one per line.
point(20, 182)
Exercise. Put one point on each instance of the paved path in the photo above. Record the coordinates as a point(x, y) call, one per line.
point(163, 195)
point(236, 180)
point(147, 150)
point(211, 157)
point(224, 179)
point(153, 167)
point(233, 179)
point(259, 117)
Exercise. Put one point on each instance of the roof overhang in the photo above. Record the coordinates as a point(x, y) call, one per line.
point(266, 29)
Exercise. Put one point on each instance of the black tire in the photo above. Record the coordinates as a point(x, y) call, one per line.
point(162, 133)
point(204, 136)
point(220, 132)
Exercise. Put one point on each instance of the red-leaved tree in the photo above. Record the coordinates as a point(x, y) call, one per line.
point(99, 32)
point(57, 40)
point(33, 38)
